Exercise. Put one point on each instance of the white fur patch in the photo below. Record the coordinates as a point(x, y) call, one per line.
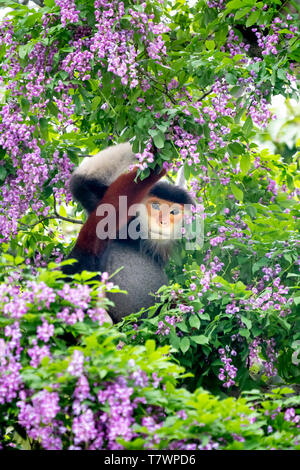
point(108, 164)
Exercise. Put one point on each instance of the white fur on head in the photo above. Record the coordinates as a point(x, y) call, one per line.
point(108, 164)
point(180, 180)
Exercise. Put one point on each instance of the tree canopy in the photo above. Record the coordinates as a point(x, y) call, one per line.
point(190, 84)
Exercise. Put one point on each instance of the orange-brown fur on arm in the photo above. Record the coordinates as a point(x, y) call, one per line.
point(124, 185)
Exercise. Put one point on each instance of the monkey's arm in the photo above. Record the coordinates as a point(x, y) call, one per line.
point(89, 249)
point(95, 174)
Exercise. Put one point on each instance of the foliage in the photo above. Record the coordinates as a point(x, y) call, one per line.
point(179, 78)
point(237, 294)
point(75, 384)
point(190, 86)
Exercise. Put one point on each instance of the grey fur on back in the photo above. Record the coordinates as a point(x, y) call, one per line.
point(140, 276)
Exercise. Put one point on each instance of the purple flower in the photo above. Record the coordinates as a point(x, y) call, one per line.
point(75, 367)
point(45, 331)
point(84, 428)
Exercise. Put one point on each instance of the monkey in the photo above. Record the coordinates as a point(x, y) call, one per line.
point(140, 240)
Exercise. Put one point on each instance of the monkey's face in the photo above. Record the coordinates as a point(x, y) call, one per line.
point(164, 219)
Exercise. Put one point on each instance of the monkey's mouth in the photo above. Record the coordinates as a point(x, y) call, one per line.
point(160, 235)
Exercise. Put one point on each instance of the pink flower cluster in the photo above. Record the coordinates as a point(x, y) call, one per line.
point(68, 11)
point(270, 42)
point(227, 373)
point(255, 358)
point(39, 420)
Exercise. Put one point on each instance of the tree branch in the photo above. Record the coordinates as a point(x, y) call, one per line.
point(153, 79)
point(55, 216)
point(49, 217)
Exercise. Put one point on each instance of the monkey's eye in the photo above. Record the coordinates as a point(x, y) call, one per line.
point(174, 211)
point(156, 206)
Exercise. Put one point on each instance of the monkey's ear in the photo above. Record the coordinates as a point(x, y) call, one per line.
point(180, 180)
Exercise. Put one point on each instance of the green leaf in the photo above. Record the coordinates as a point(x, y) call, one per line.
point(150, 346)
point(242, 12)
point(3, 173)
point(237, 192)
point(96, 101)
point(251, 210)
point(288, 257)
point(297, 300)
point(261, 262)
point(246, 322)
point(221, 34)
point(245, 164)
point(248, 126)
point(236, 148)
point(25, 105)
point(244, 332)
point(182, 326)
point(256, 331)
point(159, 140)
point(45, 361)
point(233, 4)
point(32, 19)
point(184, 344)
point(62, 211)
point(77, 102)
point(174, 340)
point(23, 50)
point(44, 128)
point(253, 18)
point(210, 45)
point(194, 321)
point(230, 78)
point(200, 339)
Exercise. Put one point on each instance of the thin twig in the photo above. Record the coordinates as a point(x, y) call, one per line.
point(55, 216)
point(205, 94)
point(67, 219)
point(49, 217)
point(170, 179)
point(154, 79)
